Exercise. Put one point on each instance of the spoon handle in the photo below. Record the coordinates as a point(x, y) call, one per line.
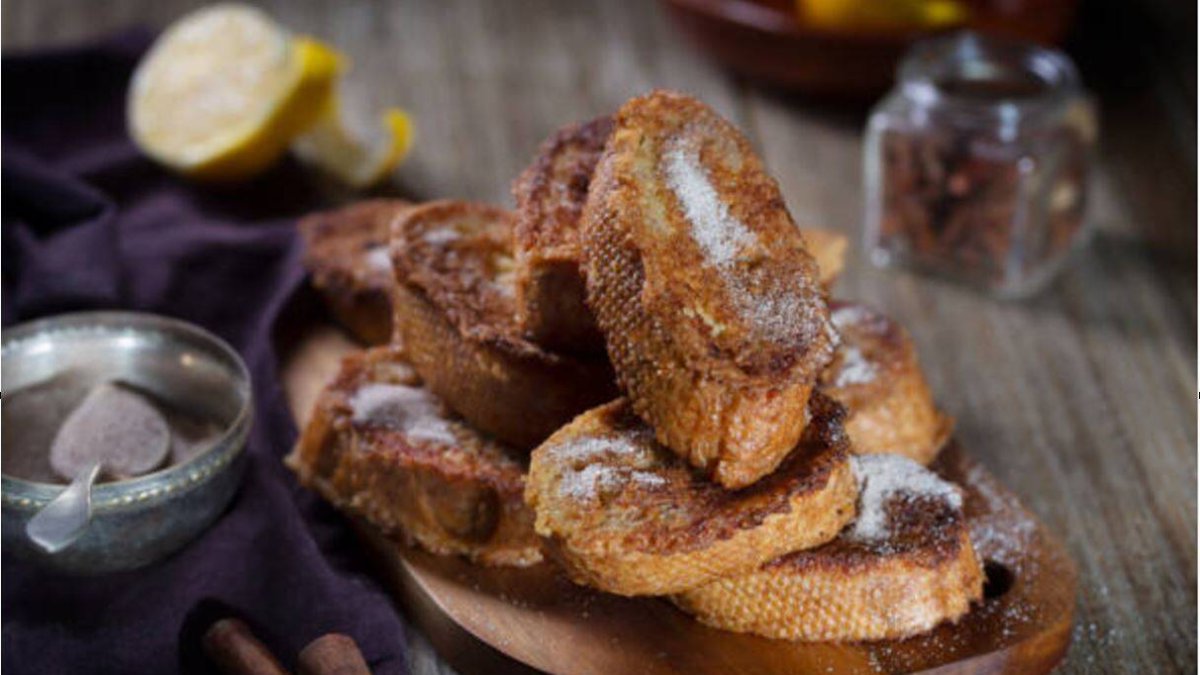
point(65, 518)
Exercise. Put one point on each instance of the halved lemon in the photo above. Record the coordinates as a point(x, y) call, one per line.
point(225, 90)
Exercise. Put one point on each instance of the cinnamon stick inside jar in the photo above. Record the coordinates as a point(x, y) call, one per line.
point(976, 164)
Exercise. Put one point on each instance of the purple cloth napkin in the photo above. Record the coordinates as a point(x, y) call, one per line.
point(88, 223)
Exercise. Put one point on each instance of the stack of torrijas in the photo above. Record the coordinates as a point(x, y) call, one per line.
point(652, 308)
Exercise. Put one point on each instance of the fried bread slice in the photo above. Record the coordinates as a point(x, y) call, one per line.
point(382, 448)
point(624, 514)
point(346, 252)
point(875, 374)
point(704, 289)
point(550, 194)
point(454, 311)
point(904, 566)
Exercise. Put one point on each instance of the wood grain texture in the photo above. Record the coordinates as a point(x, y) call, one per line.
point(1079, 400)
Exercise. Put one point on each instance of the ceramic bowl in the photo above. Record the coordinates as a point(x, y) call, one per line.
point(765, 41)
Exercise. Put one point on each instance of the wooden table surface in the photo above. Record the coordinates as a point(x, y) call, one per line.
point(1076, 399)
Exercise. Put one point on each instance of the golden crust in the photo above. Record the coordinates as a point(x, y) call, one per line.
point(703, 288)
point(450, 498)
point(828, 248)
point(875, 374)
point(923, 573)
point(345, 251)
point(454, 312)
point(627, 516)
point(550, 194)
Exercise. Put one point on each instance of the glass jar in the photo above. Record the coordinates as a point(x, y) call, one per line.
point(976, 163)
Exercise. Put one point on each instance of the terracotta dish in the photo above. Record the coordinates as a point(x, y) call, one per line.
point(767, 41)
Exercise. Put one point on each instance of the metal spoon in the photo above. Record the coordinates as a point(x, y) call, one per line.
point(64, 519)
point(114, 427)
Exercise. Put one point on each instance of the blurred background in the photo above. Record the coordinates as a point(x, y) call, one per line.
point(1077, 398)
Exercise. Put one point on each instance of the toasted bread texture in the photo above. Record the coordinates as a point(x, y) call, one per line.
point(875, 374)
point(346, 252)
point(703, 287)
point(380, 447)
point(904, 566)
point(550, 194)
point(454, 311)
point(625, 515)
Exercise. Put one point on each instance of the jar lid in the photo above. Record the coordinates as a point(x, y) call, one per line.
point(971, 73)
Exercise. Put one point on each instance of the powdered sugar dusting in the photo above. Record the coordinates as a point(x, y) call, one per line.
point(883, 478)
point(506, 285)
point(590, 448)
point(598, 465)
point(393, 371)
point(776, 313)
point(860, 319)
point(593, 480)
point(724, 239)
point(850, 315)
point(583, 485)
point(379, 259)
point(994, 532)
point(719, 234)
point(854, 368)
point(441, 235)
point(411, 410)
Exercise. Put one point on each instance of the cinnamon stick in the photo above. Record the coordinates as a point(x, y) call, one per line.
point(333, 654)
point(235, 651)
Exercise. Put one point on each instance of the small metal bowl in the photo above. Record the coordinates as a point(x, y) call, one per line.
point(140, 520)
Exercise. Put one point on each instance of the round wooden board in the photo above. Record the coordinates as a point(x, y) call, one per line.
point(492, 620)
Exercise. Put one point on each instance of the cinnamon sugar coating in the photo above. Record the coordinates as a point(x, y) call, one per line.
point(704, 289)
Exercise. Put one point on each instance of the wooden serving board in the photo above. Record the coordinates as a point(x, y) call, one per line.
point(492, 620)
